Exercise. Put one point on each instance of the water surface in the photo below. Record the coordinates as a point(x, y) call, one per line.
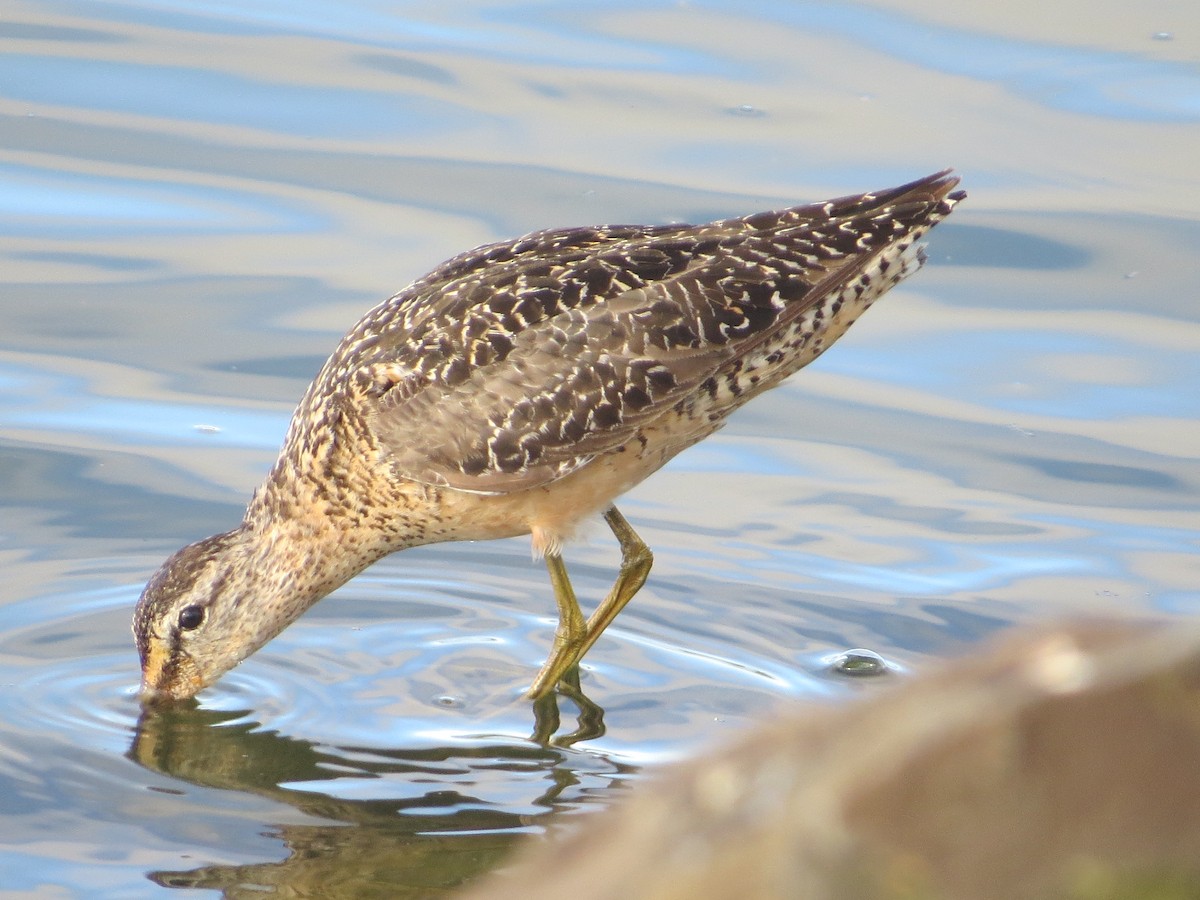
point(196, 201)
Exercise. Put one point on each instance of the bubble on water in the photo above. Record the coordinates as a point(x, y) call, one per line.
point(859, 663)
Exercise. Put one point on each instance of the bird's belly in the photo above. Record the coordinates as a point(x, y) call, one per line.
point(553, 513)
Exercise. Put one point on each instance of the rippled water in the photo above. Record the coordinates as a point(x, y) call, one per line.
point(196, 200)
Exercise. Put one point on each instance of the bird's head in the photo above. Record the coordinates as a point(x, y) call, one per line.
point(196, 617)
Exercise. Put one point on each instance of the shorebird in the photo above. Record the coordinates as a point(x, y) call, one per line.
point(520, 388)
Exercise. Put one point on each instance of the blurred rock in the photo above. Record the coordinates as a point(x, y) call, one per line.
point(1058, 763)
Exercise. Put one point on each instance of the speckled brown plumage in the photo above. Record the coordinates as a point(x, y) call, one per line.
point(518, 389)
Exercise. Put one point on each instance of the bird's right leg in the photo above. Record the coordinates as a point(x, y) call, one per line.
point(570, 635)
point(575, 636)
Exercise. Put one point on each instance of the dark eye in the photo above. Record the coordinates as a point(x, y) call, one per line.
point(191, 617)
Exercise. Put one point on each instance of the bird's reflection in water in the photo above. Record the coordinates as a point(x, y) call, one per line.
point(440, 815)
point(547, 720)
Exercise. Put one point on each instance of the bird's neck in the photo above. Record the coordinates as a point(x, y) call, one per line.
point(313, 532)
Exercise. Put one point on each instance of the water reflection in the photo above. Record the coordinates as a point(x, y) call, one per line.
point(204, 95)
point(1090, 81)
point(198, 200)
point(548, 720)
point(57, 204)
point(424, 818)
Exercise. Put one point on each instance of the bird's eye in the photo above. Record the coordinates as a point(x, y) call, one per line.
point(191, 617)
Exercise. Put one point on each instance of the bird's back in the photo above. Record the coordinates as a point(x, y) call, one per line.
point(515, 364)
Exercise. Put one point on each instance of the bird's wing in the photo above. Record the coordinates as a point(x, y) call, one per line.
point(516, 364)
point(516, 404)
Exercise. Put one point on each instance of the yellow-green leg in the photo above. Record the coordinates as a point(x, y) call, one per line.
point(574, 636)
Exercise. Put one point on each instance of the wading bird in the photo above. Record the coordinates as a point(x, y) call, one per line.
point(520, 388)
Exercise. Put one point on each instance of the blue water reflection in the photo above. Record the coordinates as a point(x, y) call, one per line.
point(940, 570)
point(1075, 79)
point(196, 200)
point(549, 34)
point(62, 204)
point(199, 95)
point(1030, 371)
point(48, 401)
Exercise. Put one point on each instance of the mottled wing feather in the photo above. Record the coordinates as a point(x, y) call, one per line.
point(566, 391)
point(515, 364)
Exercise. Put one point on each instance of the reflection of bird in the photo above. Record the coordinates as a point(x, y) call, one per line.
point(518, 389)
point(452, 821)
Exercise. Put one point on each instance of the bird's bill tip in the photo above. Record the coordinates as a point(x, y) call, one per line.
point(167, 678)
